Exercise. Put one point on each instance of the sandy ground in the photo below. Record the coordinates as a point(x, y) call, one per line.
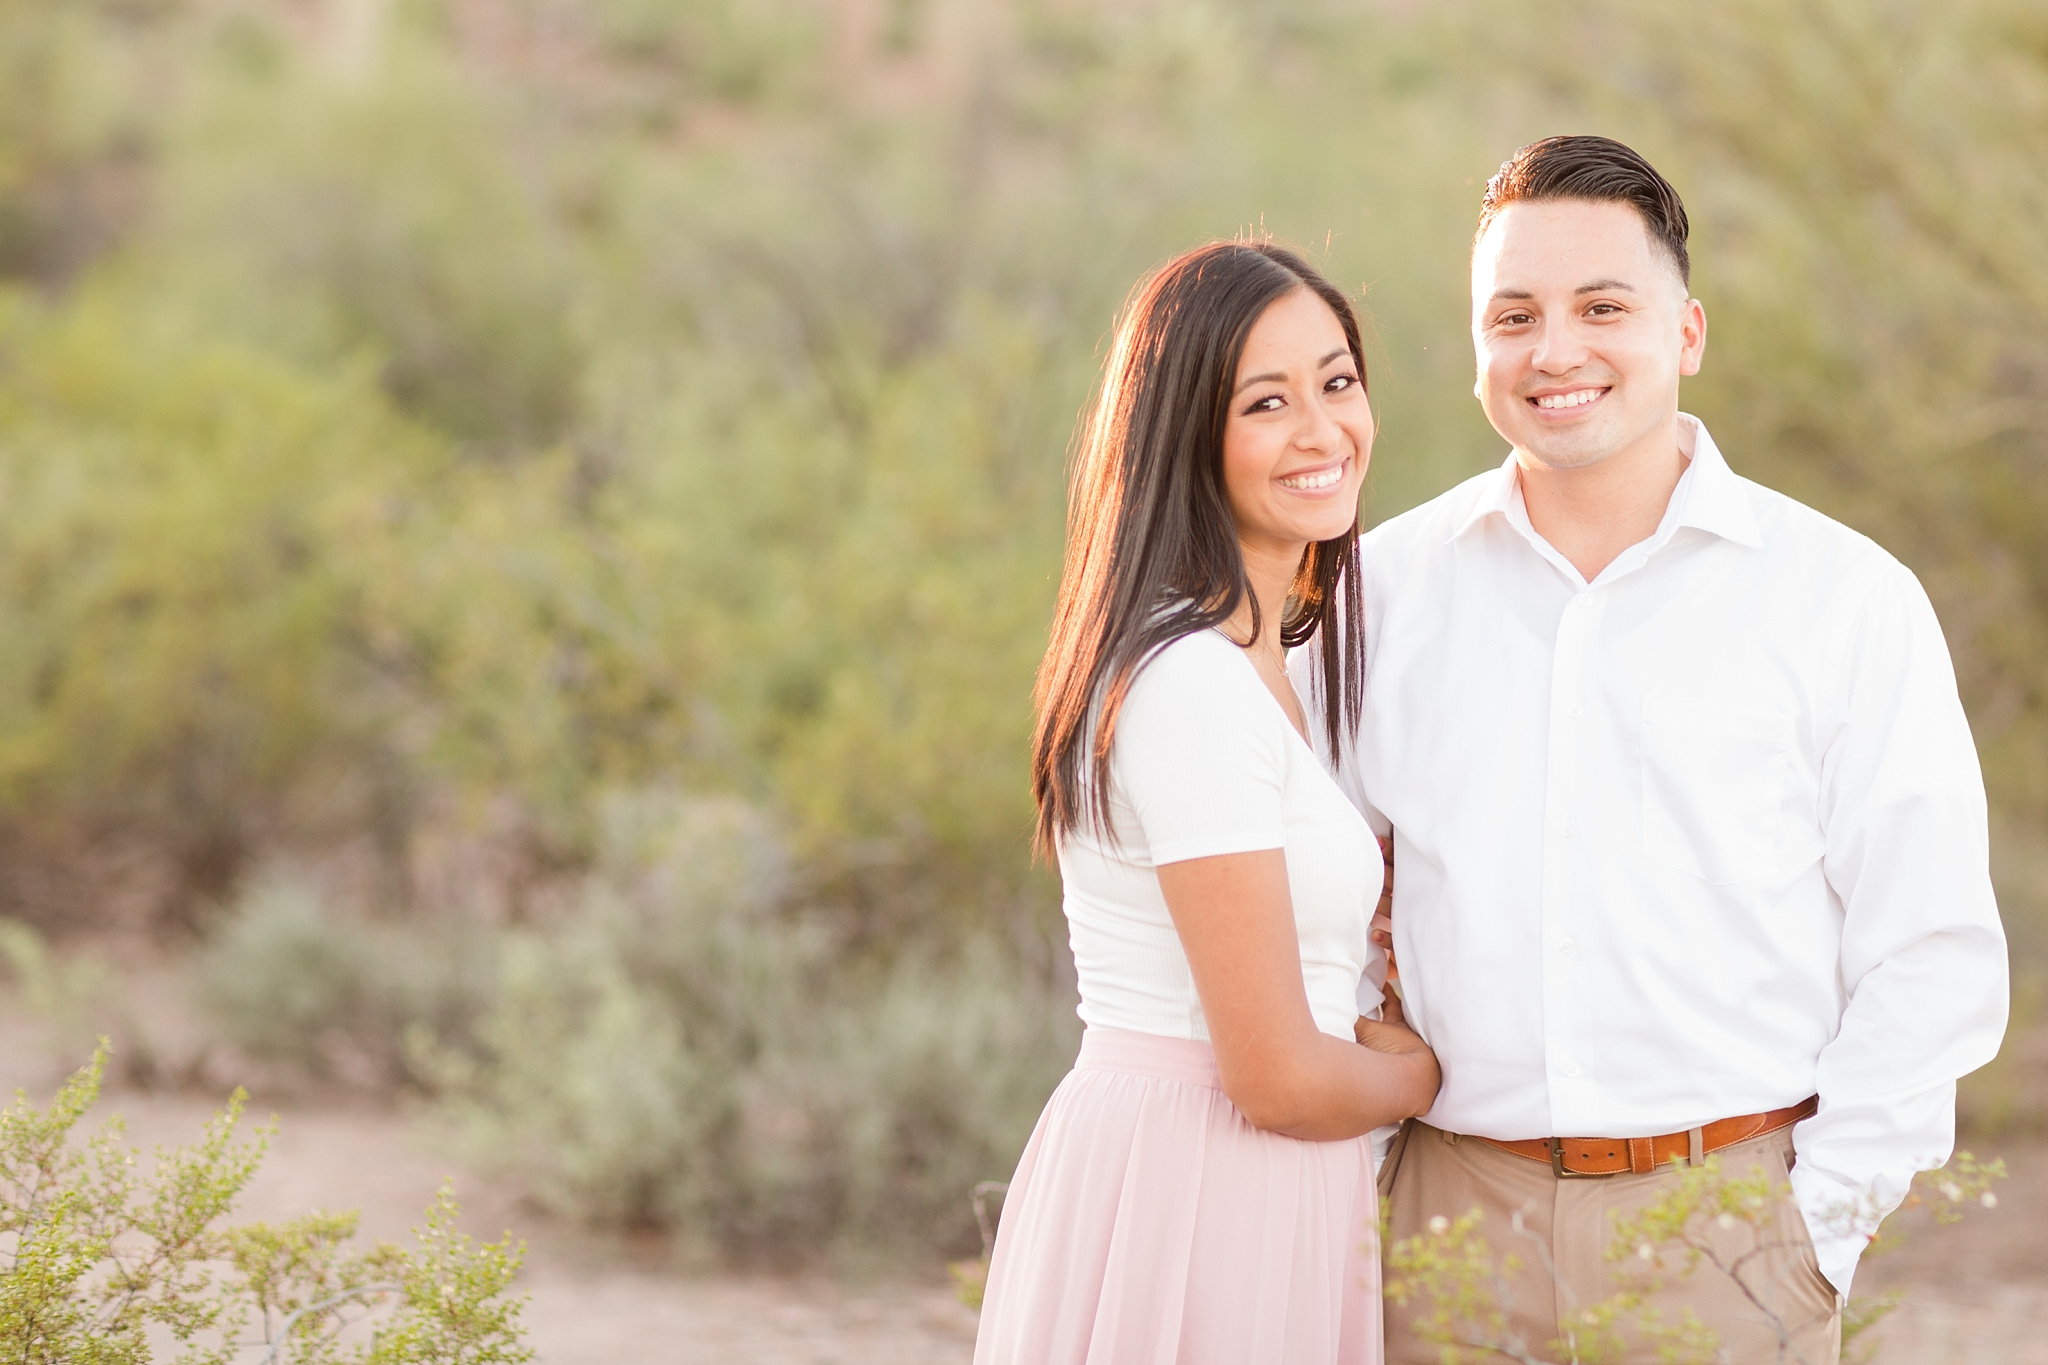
point(1976, 1294)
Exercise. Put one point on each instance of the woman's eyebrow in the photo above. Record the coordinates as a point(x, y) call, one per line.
point(1276, 376)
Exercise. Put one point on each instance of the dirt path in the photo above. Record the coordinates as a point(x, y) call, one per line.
point(1977, 1294)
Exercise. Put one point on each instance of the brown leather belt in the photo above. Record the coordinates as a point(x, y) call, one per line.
point(1619, 1156)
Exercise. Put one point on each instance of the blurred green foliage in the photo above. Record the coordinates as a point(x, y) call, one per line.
point(480, 407)
point(425, 426)
point(311, 992)
point(105, 1265)
point(672, 1050)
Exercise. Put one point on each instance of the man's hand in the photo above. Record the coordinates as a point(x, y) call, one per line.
point(1383, 913)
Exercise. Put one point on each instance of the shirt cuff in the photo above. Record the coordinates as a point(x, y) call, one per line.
point(1382, 1142)
point(1216, 844)
point(1834, 1223)
point(1838, 1256)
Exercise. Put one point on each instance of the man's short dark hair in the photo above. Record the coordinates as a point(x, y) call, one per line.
point(1596, 168)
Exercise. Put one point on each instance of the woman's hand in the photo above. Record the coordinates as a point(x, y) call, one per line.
point(1390, 1032)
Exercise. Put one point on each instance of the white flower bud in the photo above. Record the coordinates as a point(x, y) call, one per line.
point(1439, 1225)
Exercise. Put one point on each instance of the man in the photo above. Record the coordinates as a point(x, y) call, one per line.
point(1690, 833)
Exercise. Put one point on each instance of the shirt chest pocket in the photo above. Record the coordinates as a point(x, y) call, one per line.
point(1714, 783)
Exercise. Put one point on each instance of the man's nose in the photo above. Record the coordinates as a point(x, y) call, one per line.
point(1558, 349)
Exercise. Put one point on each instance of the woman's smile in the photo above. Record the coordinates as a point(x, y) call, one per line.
point(1317, 481)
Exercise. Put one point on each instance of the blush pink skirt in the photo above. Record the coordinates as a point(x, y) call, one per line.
point(1150, 1224)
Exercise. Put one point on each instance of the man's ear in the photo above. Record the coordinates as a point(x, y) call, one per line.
point(1693, 337)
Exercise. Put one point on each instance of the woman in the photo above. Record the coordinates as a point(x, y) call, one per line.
point(1200, 1186)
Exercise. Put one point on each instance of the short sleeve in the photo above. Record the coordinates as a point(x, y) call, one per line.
point(1200, 753)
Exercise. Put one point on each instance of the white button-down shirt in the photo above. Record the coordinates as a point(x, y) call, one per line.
point(1700, 838)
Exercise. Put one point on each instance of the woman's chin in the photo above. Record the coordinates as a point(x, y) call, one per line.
point(1339, 521)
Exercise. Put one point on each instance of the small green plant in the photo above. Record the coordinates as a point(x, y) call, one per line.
point(1463, 1288)
point(1454, 1271)
point(102, 1259)
point(970, 1276)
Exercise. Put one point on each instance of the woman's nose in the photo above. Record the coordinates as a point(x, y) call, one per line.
point(1319, 430)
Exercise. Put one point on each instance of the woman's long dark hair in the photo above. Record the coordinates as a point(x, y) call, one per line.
point(1152, 549)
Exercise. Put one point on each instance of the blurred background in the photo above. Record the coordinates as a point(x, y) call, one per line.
point(526, 525)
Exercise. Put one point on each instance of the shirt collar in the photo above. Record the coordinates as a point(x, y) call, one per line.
point(1501, 493)
point(1709, 495)
point(1716, 502)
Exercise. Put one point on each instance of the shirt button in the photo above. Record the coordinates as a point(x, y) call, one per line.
point(1576, 712)
point(1566, 946)
point(1571, 1068)
point(1568, 831)
point(1585, 599)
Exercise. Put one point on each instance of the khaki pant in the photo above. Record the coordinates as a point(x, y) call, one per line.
point(1567, 1227)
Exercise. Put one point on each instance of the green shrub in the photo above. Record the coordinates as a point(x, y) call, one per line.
point(453, 437)
point(319, 994)
point(75, 133)
point(72, 995)
point(930, 1086)
point(101, 1259)
point(790, 1117)
point(187, 528)
point(688, 1054)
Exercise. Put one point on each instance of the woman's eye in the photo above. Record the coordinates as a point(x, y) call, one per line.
point(1340, 382)
point(1270, 403)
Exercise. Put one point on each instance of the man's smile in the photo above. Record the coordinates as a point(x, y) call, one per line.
point(1573, 398)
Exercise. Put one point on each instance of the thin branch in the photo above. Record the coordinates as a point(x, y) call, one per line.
point(284, 1333)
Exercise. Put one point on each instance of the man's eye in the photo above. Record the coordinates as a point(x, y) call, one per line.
point(1513, 320)
point(1602, 309)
